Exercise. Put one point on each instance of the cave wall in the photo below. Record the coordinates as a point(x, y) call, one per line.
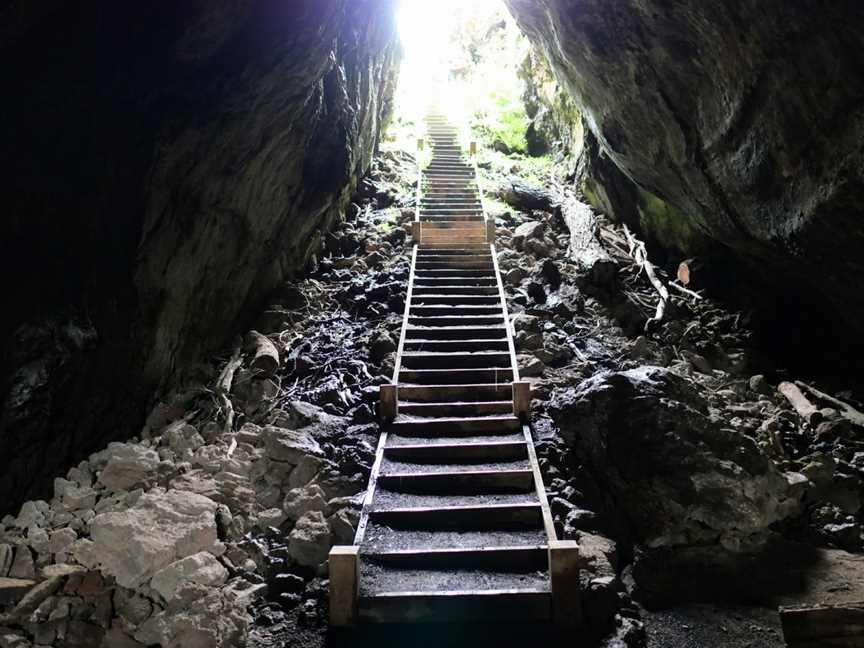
point(165, 166)
point(745, 117)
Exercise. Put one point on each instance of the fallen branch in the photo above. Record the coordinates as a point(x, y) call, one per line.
point(846, 410)
point(806, 410)
point(686, 291)
point(640, 255)
point(265, 356)
point(223, 387)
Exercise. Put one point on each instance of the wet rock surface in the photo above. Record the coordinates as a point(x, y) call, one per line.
point(186, 161)
point(212, 527)
point(703, 105)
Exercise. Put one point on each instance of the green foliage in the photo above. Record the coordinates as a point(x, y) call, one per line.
point(504, 122)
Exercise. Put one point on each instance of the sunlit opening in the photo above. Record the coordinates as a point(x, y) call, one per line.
point(441, 68)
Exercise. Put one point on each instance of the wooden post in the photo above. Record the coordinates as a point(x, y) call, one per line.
point(472, 148)
point(389, 401)
point(416, 231)
point(564, 574)
point(490, 230)
point(420, 143)
point(808, 626)
point(521, 398)
point(344, 567)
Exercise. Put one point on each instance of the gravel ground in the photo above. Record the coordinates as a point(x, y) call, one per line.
point(375, 579)
point(714, 626)
point(382, 537)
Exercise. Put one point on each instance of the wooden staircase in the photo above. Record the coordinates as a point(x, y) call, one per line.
point(455, 526)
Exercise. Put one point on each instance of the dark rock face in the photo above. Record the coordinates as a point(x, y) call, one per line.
point(164, 168)
point(746, 117)
point(678, 476)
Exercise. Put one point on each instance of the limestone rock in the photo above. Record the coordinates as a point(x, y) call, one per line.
point(215, 620)
point(160, 528)
point(22, 565)
point(202, 568)
point(127, 464)
point(61, 540)
point(300, 501)
point(310, 540)
point(289, 446)
point(679, 476)
point(6, 555)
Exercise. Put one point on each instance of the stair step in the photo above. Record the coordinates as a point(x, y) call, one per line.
point(456, 360)
point(454, 426)
point(468, 482)
point(462, 518)
point(513, 559)
point(454, 289)
point(441, 393)
point(458, 320)
point(460, 409)
point(456, 345)
point(458, 452)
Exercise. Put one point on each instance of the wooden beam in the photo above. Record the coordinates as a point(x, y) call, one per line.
point(344, 566)
point(823, 626)
point(564, 575)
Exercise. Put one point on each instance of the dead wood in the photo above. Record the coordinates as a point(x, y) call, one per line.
point(585, 245)
point(224, 383)
point(265, 356)
point(846, 410)
point(524, 197)
point(640, 256)
point(805, 409)
point(825, 626)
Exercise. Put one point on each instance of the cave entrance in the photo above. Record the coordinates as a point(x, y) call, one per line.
point(466, 59)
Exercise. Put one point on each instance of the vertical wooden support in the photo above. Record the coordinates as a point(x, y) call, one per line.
point(344, 585)
point(416, 231)
point(472, 148)
point(420, 143)
point(564, 574)
point(521, 399)
point(389, 401)
point(490, 230)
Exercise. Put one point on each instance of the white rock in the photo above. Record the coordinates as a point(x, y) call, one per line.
point(61, 540)
point(127, 464)
point(159, 529)
point(217, 620)
point(305, 471)
point(31, 514)
point(273, 517)
point(201, 568)
point(6, 554)
point(72, 496)
point(309, 542)
point(289, 446)
point(182, 437)
point(300, 501)
point(22, 565)
point(343, 525)
point(84, 553)
point(38, 539)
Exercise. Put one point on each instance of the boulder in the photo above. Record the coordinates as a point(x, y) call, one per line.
point(300, 501)
point(215, 620)
point(202, 568)
point(310, 540)
point(126, 464)
point(23, 565)
point(677, 473)
point(6, 555)
point(160, 528)
point(527, 231)
point(289, 446)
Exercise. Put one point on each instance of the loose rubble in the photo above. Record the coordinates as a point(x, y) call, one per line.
point(218, 519)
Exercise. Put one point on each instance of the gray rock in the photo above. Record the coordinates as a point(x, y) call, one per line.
point(159, 529)
point(677, 474)
point(216, 620)
point(61, 540)
point(183, 438)
point(527, 231)
point(300, 501)
point(759, 384)
point(529, 365)
point(202, 568)
point(84, 552)
point(524, 322)
point(289, 446)
point(6, 555)
point(73, 496)
point(31, 514)
point(671, 132)
point(305, 471)
point(126, 464)
point(343, 525)
point(22, 565)
point(310, 540)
